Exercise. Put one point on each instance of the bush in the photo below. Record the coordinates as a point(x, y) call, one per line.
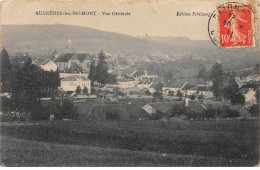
point(112, 115)
point(233, 114)
point(59, 108)
point(157, 115)
point(177, 110)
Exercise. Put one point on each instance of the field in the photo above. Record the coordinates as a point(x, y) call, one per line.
point(130, 143)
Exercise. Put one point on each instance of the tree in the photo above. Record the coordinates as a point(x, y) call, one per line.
point(78, 90)
point(231, 91)
point(92, 72)
point(26, 86)
point(85, 90)
point(177, 110)
point(217, 78)
point(6, 72)
point(202, 73)
point(102, 75)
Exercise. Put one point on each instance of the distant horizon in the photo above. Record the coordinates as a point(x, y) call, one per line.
point(137, 36)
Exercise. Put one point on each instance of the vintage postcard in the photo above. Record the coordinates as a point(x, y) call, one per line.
point(129, 83)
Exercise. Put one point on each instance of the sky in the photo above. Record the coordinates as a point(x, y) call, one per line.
point(148, 17)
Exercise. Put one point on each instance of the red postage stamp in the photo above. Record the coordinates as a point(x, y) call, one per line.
point(235, 26)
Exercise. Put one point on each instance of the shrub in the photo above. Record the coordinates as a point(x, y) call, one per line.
point(157, 115)
point(112, 115)
point(177, 109)
point(233, 114)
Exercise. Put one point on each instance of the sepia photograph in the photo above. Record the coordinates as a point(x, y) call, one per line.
point(129, 83)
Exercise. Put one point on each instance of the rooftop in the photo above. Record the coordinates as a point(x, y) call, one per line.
point(75, 78)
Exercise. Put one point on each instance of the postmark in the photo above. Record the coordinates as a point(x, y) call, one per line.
point(231, 25)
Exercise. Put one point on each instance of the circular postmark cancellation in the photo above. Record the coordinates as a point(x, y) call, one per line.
point(231, 25)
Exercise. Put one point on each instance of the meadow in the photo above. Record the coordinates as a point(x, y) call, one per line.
point(130, 143)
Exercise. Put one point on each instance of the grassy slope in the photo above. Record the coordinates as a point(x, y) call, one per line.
point(30, 153)
point(207, 143)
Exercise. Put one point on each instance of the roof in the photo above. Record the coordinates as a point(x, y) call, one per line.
point(74, 57)
point(178, 83)
point(69, 78)
point(81, 57)
point(160, 106)
point(130, 71)
point(38, 61)
point(75, 78)
point(244, 90)
point(84, 78)
point(200, 88)
point(188, 86)
point(125, 78)
point(46, 62)
point(111, 95)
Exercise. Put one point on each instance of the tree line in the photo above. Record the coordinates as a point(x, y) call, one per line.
point(26, 84)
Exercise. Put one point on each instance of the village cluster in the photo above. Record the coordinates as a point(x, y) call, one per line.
point(135, 85)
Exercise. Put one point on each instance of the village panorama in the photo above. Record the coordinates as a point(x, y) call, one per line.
point(73, 108)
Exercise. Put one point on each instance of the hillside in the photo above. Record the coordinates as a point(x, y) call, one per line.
point(42, 40)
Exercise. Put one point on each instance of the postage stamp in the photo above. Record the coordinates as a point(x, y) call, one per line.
point(232, 25)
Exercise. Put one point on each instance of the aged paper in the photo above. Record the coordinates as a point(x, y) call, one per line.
point(129, 83)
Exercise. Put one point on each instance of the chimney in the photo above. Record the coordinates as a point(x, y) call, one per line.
point(186, 102)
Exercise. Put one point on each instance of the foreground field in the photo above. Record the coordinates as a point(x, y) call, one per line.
point(139, 143)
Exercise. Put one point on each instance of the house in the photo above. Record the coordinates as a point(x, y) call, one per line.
point(126, 82)
point(144, 84)
point(250, 98)
point(175, 86)
point(185, 90)
point(49, 65)
point(111, 97)
point(110, 88)
point(70, 83)
point(201, 90)
point(251, 78)
point(148, 76)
